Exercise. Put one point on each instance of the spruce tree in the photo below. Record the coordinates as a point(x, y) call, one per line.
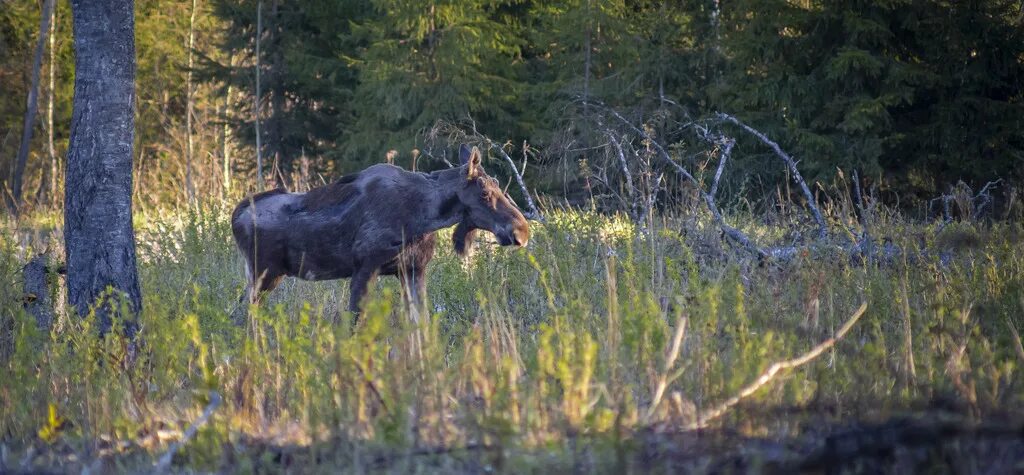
point(917, 91)
point(428, 61)
point(306, 76)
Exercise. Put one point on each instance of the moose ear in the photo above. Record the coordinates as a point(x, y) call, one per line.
point(464, 154)
point(473, 168)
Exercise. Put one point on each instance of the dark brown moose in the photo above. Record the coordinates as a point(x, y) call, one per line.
point(380, 221)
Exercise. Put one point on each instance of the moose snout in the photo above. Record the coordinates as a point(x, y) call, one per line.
point(521, 235)
point(516, 234)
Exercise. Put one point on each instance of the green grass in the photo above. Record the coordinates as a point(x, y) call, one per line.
point(542, 360)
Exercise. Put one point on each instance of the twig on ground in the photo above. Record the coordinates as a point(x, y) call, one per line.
point(670, 361)
point(165, 461)
point(718, 411)
point(822, 227)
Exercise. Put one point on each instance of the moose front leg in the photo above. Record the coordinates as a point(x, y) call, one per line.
point(414, 286)
point(374, 257)
point(358, 288)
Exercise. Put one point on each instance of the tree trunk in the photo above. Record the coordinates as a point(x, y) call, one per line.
point(226, 138)
point(37, 292)
point(98, 232)
point(277, 99)
point(54, 162)
point(30, 111)
point(190, 191)
point(256, 98)
point(586, 62)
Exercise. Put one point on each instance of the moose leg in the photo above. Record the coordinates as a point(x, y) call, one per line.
point(264, 285)
point(254, 293)
point(414, 286)
point(358, 288)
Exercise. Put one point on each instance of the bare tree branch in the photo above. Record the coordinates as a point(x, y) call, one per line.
point(727, 145)
point(622, 162)
point(718, 411)
point(532, 212)
point(822, 227)
point(670, 361)
point(165, 461)
point(625, 170)
point(709, 200)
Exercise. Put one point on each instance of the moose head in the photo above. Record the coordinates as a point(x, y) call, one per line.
point(486, 206)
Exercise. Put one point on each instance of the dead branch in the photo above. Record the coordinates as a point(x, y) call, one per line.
point(970, 205)
point(984, 197)
point(861, 216)
point(532, 212)
point(729, 231)
point(165, 461)
point(791, 164)
point(456, 133)
point(625, 171)
point(718, 411)
point(727, 145)
point(670, 361)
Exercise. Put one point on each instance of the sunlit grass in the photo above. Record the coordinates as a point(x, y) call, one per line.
point(527, 354)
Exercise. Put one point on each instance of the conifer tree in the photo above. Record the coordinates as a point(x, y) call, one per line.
point(425, 61)
point(306, 79)
point(918, 90)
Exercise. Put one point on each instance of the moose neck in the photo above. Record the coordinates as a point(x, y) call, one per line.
point(445, 209)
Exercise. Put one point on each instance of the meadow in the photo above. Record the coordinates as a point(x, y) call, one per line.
point(605, 346)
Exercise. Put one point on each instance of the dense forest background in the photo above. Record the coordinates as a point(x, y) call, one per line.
point(913, 95)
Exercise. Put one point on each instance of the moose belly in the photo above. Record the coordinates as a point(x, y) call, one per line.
point(308, 264)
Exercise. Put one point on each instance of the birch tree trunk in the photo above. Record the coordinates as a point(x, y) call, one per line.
point(275, 128)
point(14, 202)
point(226, 138)
point(190, 191)
point(256, 110)
point(586, 63)
point(98, 232)
point(54, 162)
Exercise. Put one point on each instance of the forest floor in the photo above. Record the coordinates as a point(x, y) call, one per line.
point(602, 347)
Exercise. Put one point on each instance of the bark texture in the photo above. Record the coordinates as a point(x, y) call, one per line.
point(98, 232)
point(37, 292)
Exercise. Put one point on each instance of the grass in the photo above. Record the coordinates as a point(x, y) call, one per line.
point(538, 360)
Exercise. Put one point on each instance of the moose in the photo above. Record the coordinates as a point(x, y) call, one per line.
point(380, 221)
